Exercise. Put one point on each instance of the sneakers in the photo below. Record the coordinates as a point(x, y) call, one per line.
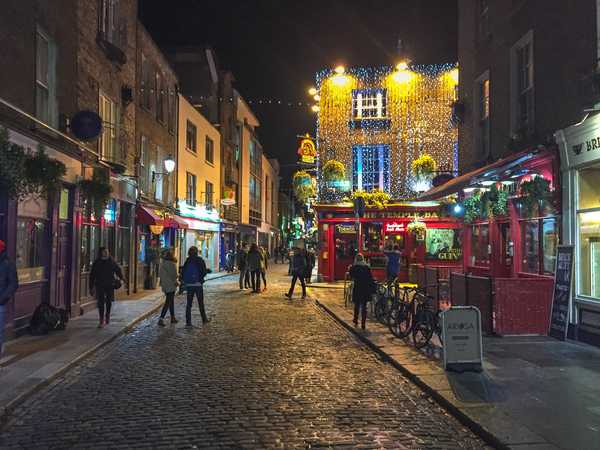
point(161, 323)
point(288, 295)
point(174, 320)
point(189, 325)
point(101, 324)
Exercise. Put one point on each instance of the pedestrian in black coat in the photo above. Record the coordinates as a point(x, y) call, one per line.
point(299, 265)
point(363, 289)
point(193, 272)
point(105, 277)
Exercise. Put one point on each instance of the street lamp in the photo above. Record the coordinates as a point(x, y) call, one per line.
point(169, 165)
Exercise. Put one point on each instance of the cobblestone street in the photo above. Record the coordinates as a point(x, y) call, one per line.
point(266, 372)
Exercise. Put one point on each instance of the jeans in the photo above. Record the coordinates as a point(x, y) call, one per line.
point(360, 306)
point(296, 277)
point(244, 278)
point(255, 277)
point(104, 296)
point(198, 291)
point(263, 274)
point(2, 314)
point(169, 304)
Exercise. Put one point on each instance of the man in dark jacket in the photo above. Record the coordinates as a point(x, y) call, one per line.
point(241, 259)
point(8, 286)
point(299, 265)
point(103, 278)
point(193, 273)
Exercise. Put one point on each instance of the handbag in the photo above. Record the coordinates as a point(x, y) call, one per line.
point(117, 284)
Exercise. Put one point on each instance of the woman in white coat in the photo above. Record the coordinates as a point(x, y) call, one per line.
point(168, 284)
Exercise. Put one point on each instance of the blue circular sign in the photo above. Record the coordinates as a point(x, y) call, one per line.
point(86, 125)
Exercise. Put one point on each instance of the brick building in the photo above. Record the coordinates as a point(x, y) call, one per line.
point(156, 138)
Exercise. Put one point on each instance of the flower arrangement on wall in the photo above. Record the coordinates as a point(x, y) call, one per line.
point(304, 186)
point(333, 170)
point(417, 229)
point(424, 166)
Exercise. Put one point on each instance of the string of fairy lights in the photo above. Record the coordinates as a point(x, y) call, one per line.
point(406, 110)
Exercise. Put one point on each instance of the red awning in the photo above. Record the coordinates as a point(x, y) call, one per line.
point(178, 222)
point(147, 216)
point(491, 171)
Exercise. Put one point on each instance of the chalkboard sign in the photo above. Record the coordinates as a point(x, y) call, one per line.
point(563, 273)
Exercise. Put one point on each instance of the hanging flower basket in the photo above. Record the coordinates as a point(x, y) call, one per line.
point(333, 170)
point(375, 199)
point(96, 191)
point(417, 229)
point(304, 187)
point(534, 193)
point(424, 166)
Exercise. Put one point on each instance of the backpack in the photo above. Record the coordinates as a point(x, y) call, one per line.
point(191, 273)
point(47, 318)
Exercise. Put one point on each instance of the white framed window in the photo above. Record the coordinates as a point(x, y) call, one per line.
point(482, 116)
point(209, 190)
point(109, 112)
point(46, 106)
point(522, 86)
point(369, 104)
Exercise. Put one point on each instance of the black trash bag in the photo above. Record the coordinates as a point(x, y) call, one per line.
point(47, 318)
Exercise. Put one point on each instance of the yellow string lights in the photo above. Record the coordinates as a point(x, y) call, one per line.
point(408, 112)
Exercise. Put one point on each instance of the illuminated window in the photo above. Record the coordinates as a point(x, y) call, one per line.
point(371, 167)
point(190, 189)
point(588, 221)
point(369, 104)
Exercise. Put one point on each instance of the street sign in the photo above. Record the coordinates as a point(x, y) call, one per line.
point(461, 333)
point(307, 150)
point(563, 274)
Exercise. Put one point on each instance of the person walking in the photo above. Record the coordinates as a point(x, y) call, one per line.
point(242, 264)
point(192, 274)
point(255, 263)
point(363, 288)
point(168, 283)
point(229, 261)
point(299, 265)
point(9, 282)
point(393, 263)
point(310, 265)
point(265, 266)
point(105, 277)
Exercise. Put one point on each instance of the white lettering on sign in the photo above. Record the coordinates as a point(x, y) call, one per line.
point(394, 227)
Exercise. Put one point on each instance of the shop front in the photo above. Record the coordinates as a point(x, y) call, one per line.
point(40, 234)
point(203, 235)
point(247, 234)
point(341, 237)
point(156, 230)
point(511, 227)
point(227, 235)
point(580, 167)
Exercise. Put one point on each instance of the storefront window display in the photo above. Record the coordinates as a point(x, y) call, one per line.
point(480, 242)
point(443, 244)
point(539, 242)
point(391, 240)
point(32, 239)
point(588, 221)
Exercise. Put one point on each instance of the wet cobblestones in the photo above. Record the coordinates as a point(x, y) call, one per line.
point(264, 373)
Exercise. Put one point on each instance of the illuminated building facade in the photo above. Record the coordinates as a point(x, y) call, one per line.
point(376, 121)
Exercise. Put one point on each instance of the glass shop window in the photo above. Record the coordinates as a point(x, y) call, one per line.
point(589, 188)
point(480, 242)
point(443, 244)
point(530, 246)
point(31, 249)
point(538, 248)
point(372, 239)
point(589, 254)
point(391, 240)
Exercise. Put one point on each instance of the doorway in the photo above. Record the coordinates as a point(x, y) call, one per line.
point(62, 298)
point(506, 251)
point(346, 247)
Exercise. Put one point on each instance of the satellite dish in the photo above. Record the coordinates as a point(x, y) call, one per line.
point(86, 125)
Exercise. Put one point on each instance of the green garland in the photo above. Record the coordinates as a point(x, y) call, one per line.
point(473, 208)
point(44, 174)
point(533, 192)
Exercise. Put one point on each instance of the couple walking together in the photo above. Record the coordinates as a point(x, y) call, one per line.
point(192, 276)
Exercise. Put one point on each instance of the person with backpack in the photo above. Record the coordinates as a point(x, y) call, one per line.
point(242, 263)
point(168, 283)
point(255, 264)
point(299, 265)
point(105, 277)
point(9, 282)
point(363, 288)
point(193, 273)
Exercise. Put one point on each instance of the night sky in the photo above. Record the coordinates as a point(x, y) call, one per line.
point(274, 48)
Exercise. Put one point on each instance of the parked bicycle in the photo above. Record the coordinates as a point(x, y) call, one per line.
point(426, 322)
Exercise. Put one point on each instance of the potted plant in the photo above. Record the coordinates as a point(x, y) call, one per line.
point(304, 187)
point(473, 207)
point(97, 191)
point(44, 174)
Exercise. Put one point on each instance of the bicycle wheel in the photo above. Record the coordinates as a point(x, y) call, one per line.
point(423, 328)
point(402, 321)
point(380, 308)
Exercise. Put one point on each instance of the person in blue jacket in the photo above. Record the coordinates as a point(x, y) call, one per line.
point(8, 286)
point(193, 273)
point(393, 263)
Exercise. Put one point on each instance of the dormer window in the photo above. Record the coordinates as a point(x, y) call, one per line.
point(369, 104)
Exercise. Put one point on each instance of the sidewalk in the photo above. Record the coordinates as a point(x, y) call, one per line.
point(31, 362)
point(535, 392)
